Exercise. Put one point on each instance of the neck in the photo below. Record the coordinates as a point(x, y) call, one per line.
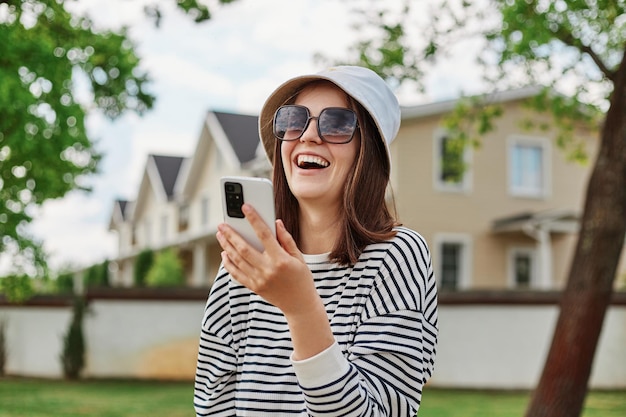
point(319, 228)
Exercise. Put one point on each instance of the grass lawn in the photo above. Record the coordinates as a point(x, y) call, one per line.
point(51, 398)
point(469, 403)
point(57, 398)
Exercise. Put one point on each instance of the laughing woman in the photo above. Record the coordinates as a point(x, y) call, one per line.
point(338, 315)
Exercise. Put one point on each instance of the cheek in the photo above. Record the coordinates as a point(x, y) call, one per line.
point(285, 154)
point(350, 155)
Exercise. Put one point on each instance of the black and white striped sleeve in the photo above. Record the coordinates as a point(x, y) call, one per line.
point(392, 356)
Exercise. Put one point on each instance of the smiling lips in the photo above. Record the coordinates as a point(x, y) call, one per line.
point(311, 162)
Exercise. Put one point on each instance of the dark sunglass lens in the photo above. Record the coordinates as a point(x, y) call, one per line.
point(289, 122)
point(337, 125)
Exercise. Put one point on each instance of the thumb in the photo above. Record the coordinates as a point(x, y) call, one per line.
point(286, 240)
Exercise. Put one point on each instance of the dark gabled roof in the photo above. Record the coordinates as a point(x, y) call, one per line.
point(168, 168)
point(120, 214)
point(122, 204)
point(242, 132)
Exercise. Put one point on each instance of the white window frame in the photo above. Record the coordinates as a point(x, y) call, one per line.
point(546, 166)
point(464, 186)
point(466, 261)
point(534, 271)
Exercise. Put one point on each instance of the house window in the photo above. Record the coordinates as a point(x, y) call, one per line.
point(528, 167)
point(453, 261)
point(522, 268)
point(183, 217)
point(204, 211)
point(451, 164)
point(450, 265)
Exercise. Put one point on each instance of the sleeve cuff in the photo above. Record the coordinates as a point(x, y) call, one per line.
point(327, 366)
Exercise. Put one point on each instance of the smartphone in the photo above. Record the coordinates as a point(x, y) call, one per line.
point(259, 193)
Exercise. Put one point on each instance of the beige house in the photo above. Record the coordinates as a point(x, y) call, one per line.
point(510, 222)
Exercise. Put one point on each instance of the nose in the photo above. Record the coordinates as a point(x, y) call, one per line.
point(311, 132)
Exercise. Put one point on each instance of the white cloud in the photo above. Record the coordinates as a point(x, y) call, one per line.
point(74, 231)
point(177, 71)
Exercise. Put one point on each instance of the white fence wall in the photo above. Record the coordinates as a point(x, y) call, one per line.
point(501, 346)
point(34, 339)
point(504, 347)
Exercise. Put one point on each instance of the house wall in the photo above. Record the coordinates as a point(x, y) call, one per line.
point(498, 343)
point(422, 206)
point(124, 238)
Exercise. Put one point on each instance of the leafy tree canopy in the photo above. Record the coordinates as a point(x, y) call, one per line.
point(570, 48)
point(45, 151)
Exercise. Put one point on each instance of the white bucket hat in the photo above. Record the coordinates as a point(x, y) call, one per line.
point(362, 84)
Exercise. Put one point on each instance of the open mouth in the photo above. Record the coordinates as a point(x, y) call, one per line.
point(311, 162)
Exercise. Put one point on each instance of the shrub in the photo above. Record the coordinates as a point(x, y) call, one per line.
point(73, 354)
point(167, 270)
point(143, 264)
point(17, 288)
point(97, 275)
point(65, 282)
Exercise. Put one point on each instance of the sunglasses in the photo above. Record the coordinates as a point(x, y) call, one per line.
point(334, 124)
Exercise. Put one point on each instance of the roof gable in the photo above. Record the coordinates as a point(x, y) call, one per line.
point(119, 215)
point(236, 138)
point(160, 176)
point(242, 132)
point(168, 168)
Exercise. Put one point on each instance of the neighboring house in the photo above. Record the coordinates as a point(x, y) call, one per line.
point(178, 202)
point(508, 222)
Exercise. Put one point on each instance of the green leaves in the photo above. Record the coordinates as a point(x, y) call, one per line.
point(44, 147)
point(569, 48)
point(166, 271)
point(16, 288)
point(390, 52)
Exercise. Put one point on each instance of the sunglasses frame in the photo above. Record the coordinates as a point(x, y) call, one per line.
point(308, 121)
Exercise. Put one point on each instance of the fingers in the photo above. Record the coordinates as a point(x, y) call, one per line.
point(262, 229)
point(244, 262)
point(286, 240)
point(239, 256)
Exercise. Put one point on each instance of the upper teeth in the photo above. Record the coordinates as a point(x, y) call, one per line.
point(311, 159)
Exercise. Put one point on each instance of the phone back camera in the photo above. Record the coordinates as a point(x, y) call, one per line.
point(234, 199)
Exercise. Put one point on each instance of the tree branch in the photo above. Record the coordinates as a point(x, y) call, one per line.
point(568, 39)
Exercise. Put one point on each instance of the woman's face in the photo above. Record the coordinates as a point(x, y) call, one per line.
point(317, 171)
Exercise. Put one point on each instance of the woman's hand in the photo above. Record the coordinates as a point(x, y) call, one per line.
point(279, 274)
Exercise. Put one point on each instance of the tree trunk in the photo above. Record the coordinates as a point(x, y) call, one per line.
point(564, 382)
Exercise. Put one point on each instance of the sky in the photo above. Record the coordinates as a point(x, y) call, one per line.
point(230, 63)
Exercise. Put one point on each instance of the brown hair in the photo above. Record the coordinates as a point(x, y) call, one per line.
point(367, 217)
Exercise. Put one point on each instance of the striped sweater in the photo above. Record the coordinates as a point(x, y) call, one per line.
point(383, 313)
